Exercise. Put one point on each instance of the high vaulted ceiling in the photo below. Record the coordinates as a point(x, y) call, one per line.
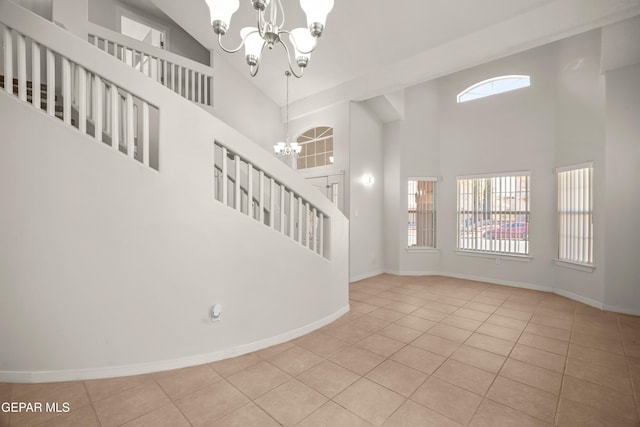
point(375, 47)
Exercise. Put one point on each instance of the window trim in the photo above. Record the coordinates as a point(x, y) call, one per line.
point(459, 99)
point(130, 14)
point(416, 248)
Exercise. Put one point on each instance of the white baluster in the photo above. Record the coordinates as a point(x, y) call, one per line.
point(315, 230)
point(164, 73)
point(261, 198)
point(8, 60)
point(196, 86)
point(180, 87)
point(145, 133)
point(292, 210)
point(130, 139)
point(250, 190)
point(115, 131)
point(225, 177)
point(95, 40)
point(82, 101)
point(307, 209)
point(155, 70)
point(282, 218)
point(206, 99)
point(66, 90)
point(51, 83)
point(105, 47)
point(172, 71)
point(300, 223)
point(321, 235)
point(21, 51)
point(97, 107)
point(238, 192)
point(272, 204)
point(187, 83)
point(35, 75)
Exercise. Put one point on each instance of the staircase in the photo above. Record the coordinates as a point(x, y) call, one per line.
point(134, 211)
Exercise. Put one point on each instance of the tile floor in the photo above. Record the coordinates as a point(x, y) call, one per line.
point(413, 351)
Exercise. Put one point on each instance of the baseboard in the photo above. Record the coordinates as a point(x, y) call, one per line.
point(414, 273)
point(365, 276)
point(579, 298)
point(164, 365)
point(501, 282)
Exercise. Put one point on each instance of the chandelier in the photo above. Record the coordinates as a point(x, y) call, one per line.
point(287, 150)
point(269, 32)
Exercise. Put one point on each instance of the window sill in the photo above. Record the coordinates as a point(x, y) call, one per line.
point(421, 249)
point(496, 256)
point(587, 268)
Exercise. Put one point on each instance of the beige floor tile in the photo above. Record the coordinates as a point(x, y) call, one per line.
point(82, 417)
point(247, 415)
point(362, 307)
point(555, 322)
point(441, 307)
point(370, 323)
point(397, 377)
point(507, 322)
point(434, 344)
point(421, 360)
point(513, 314)
point(5, 396)
point(461, 322)
point(258, 379)
point(534, 376)
point(328, 378)
point(612, 344)
point(573, 414)
point(532, 401)
point(295, 360)
point(357, 359)
point(489, 300)
point(207, 405)
point(472, 314)
point(479, 358)
point(468, 377)
point(478, 306)
point(279, 348)
point(498, 331)
point(548, 331)
point(450, 332)
point(331, 414)
point(402, 307)
point(598, 357)
point(231, 366)
point(430, 314)
point(600, 398)
point(130, 404)
point(166, 416)
point(611, 376)
point(72, 393)
point(412, 414)
point(634, 371)
point(179, 382)
point(494, 345)
point(544, 343)
point(415, 322)
point(386, 314)
point(99, 389)
point(322, 344)
point(538, 357)
point(381, 345)
point(377, 301)
point(447, 399)
point(400, 333)
point(370, 401)
point(290, 402)
point(348, 333)
point(494, 414)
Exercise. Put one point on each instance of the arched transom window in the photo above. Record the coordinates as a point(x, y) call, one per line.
point(493, 86)
point(317, 147)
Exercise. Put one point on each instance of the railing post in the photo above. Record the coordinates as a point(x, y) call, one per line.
point(129, 128)
point(300, 223)
point(282, 218)
point(180, 87)
point(115, 128)
point(8, 60)
point(21, 51)
point(145, 133)
point(321, 235)
point(225, 177)
point(66, 90)
point(272, 204)
point(250, 190)
point(36, 87)
point(187, 84)
point(97, 107)
point(238, 189)
point(51, 83)
point(261, 197)
point(307, 208)
point(292, 210)
point(82, 99)
point(207, 99)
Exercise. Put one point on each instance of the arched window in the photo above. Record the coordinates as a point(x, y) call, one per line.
point(493, 86)
point(317, 147)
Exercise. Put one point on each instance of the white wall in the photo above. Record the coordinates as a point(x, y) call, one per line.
point(622, 289)
point(366, 211)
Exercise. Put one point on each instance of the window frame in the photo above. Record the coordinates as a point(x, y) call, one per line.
point(478, 232)
point(134, 16)
point(491, 80)
point(434, 210)
point(560, 259)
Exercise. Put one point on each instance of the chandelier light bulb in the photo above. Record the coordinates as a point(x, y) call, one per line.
point(303, 44)
point(316, 11)
point(221, 12)
point(253, 44)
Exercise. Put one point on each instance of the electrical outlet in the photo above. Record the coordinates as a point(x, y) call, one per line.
point(498, 261)
point(216, 312)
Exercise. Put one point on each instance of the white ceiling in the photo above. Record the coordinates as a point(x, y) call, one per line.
point(375, 47)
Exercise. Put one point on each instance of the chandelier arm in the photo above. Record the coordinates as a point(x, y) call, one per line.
point(289, 61)
point(281, 12)
point(293, 42)
point(261, 23)
point(229, 50)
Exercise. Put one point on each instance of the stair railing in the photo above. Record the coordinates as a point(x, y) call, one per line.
point(188, 78)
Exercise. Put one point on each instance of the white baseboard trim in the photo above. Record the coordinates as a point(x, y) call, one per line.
point(501, 282)
point(365, 276)
point(164, 365)
point(414, 273)
point(579, 298)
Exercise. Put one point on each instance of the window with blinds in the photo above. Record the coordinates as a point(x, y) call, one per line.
point(493, 213)
point(421, 222)
point(575, 214)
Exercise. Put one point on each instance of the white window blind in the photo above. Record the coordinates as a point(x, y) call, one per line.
point(421, 221)
point(493, 213)
point(575, 214)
